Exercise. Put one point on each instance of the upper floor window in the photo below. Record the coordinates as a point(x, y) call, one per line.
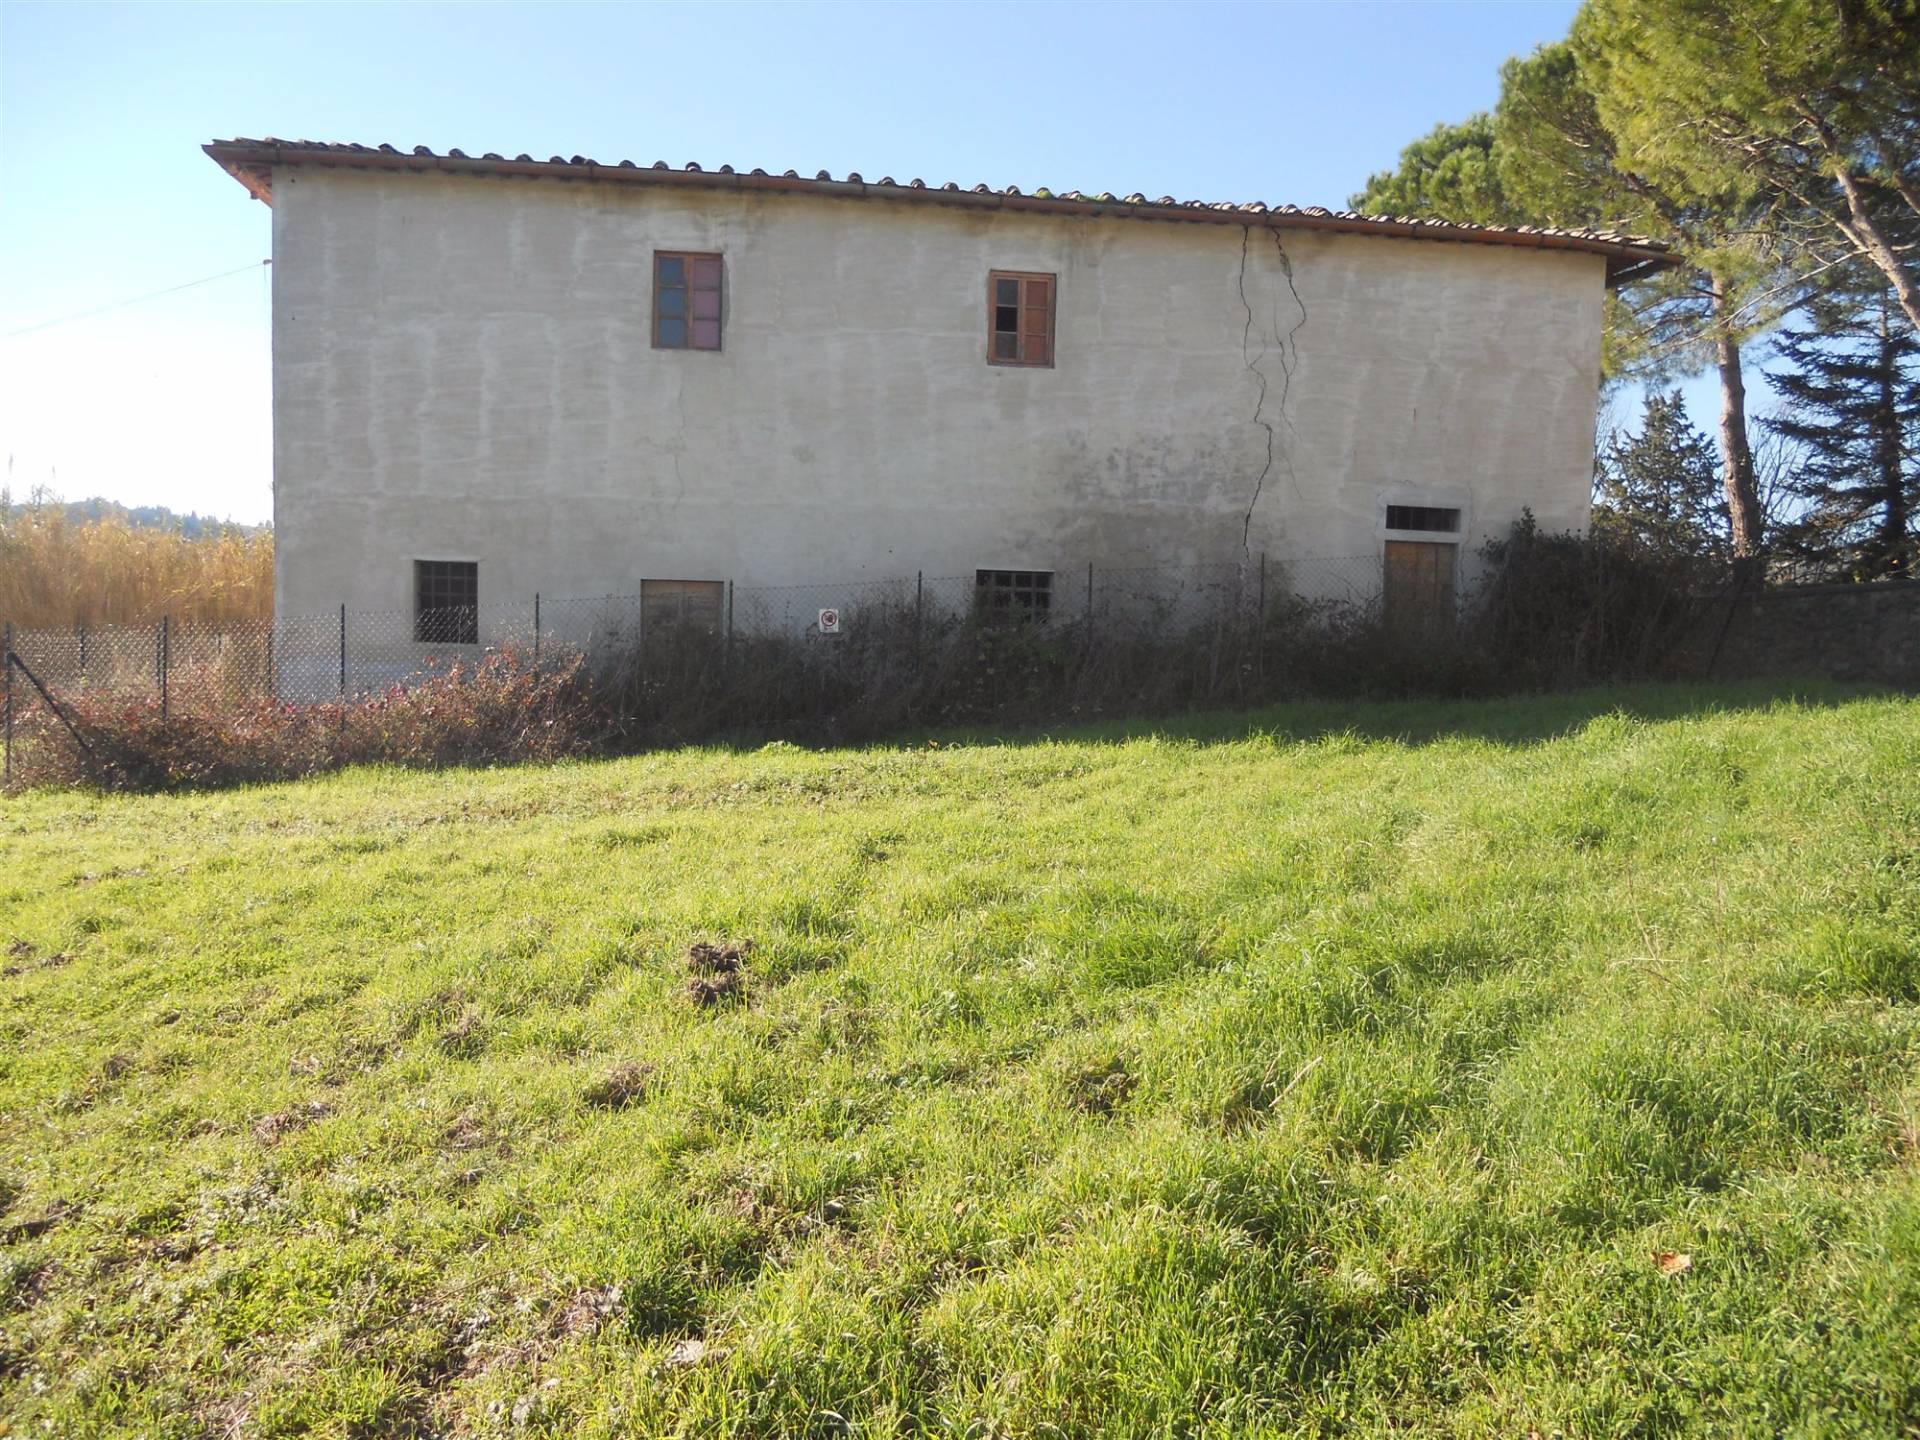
point(1019, 318)
point(686, 301)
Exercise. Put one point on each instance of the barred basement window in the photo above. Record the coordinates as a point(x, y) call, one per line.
point(446, 602)
point(1422, 517)
point(1014, 594)
point(686, 301)
point(1019, 318)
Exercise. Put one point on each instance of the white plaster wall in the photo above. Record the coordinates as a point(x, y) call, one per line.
point(463, 369)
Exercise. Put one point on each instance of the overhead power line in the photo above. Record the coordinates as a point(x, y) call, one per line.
point(135, 300)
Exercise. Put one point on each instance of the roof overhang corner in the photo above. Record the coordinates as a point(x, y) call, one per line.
point(245, 164)
point(1625, 269)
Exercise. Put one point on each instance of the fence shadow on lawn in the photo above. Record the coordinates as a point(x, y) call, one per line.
point(1514, 720)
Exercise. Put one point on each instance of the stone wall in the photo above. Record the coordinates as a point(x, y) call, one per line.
point(1848, 632)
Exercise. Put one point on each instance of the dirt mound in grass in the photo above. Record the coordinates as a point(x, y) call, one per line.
point(719, 971)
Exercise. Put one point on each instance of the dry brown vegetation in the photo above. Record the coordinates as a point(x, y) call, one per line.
point(57, 571)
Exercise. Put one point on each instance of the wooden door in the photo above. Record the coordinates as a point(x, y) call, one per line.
point(681, 606)
point(1419, 583)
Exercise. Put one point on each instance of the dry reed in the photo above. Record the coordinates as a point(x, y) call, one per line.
point(58, 571)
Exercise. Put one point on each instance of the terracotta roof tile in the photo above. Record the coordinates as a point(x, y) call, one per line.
point(252, 162)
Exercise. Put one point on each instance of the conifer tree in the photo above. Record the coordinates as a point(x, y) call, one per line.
point(1661, 487)
point(1852, 392)
point(1449, 173)
point(1812, 106)
point(1546, 156)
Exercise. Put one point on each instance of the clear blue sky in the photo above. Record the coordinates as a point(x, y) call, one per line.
point(104, 193)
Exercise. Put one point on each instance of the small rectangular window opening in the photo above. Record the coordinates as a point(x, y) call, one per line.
point(1019, 318)
point(682, 606)
point(686, 301)
point(1422, 517)
point(446, 602)
point(1013, 594)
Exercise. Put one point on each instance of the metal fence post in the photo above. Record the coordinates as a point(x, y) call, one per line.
point(160, 659)
point(343, 652)
point(1089, 646)
point(729, 622)
point(1260, 631)
point(536, 629)
point(83, 653)
point(273, 690)
point(6, 663)
point(919, 613)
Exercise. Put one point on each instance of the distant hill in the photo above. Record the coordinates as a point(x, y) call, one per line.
point(147, 517)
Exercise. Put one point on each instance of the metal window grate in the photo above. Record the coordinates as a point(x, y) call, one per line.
point(1422, 517)
point(1014, 593)
point(446, 602)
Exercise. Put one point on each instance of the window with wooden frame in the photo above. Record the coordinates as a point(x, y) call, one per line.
point(1019, 318)
point(446, 602)
point(1013, 594)
point(686, 301)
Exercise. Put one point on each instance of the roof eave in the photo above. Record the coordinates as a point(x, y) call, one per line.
point(253, 164)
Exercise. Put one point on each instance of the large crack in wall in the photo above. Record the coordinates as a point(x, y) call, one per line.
point(1288, 347)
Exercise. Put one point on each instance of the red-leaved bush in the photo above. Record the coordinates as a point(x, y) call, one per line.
point(498, 711)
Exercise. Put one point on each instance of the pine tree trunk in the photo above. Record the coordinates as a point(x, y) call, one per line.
point(1736, 456)
point(1887, 448)
point(1861, 227)
point(1871, 240)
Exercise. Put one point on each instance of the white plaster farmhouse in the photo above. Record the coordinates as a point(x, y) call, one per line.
point(498, 376)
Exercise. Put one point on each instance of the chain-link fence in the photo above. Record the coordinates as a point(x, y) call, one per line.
point(682, 660)
point(348, 654)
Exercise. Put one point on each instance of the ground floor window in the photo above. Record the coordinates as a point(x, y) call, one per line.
point(682, 605)
point(1011, 594)
point(446, 602)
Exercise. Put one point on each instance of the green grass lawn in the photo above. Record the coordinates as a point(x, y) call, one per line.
point(1481, 1069)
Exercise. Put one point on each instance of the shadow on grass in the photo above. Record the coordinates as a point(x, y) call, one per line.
point(1507, 720)
point(1514, 720)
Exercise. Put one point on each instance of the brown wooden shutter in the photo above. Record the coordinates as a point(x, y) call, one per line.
point(1418, 588)
point(1036, 322)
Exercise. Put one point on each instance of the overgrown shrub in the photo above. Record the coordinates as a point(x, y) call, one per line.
point(499, 711)
point(1560, 610)
point(1550, 611)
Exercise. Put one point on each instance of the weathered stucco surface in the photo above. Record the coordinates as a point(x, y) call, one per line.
point(463, 369)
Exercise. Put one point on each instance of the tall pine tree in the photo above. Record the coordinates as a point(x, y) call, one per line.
point(1852, 393)
point(1661, 488)
point(1546, 157)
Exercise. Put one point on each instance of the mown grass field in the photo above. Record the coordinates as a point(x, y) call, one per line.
point(1482, 1069)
